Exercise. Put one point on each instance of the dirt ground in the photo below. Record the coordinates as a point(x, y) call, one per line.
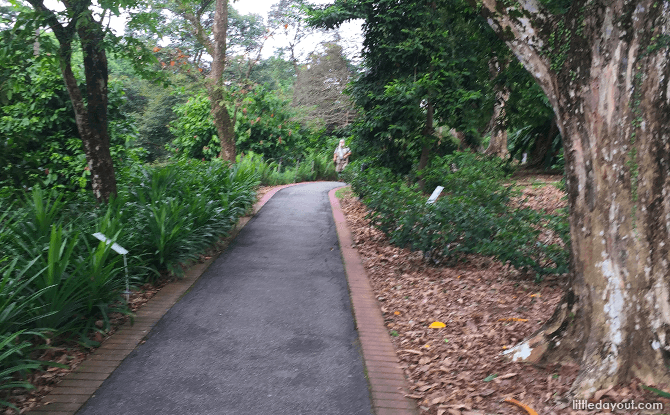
point(485, 307)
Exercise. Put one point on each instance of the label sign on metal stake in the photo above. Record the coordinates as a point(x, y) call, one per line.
point(435, 195)
point(119, 250)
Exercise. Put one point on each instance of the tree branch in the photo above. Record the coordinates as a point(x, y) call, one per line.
point(524, 37)
point(199, 32)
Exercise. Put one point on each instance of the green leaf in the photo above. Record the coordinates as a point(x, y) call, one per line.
point(656, 391)
point(490, 377)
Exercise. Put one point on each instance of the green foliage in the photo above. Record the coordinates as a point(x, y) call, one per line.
point(418, 54)
point(529, 117)
point(177, 211)
point(275, 73)
point(149, 107)
point(71, 277)
point(266, 125)
point(464, 173)
point(19, 303)
point(194, 130)
point(313, 167)
point(41, 144)
point(14, 360)
point(474, 216)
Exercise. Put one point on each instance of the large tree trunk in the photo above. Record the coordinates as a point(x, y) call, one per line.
point(224, 125)
point(605, 69)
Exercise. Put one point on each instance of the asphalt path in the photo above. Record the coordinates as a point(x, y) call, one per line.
point(267, 329)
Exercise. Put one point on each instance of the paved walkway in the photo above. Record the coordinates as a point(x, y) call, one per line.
point(267, 329)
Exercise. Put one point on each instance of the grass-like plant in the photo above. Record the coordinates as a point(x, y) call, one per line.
point(13, 361)
point(270, 173)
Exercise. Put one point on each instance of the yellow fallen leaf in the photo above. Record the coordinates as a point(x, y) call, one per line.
point(427, 346)
point(437, 325)
point(397, 313)
point(536, 295)
point(512, 319)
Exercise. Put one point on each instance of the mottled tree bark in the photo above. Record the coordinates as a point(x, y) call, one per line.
point(94, 130)
point(605, 68)
point(222, 121)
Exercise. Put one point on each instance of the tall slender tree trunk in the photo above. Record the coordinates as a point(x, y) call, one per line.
point(605, 67)
point(216, 86)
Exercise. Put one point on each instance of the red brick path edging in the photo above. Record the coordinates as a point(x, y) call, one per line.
point(388, 385)
point(69, 395)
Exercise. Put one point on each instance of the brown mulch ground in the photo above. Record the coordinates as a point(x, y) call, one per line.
point(486, 307)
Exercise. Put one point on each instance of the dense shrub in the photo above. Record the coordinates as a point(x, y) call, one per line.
point(458, 171)
point(194, 131)
point(474, 215)
point(265, 124)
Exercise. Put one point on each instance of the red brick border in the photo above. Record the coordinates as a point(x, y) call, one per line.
point(388, 385)
point(69, 395)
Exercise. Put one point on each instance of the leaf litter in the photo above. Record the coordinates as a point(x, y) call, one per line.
point(451, 323)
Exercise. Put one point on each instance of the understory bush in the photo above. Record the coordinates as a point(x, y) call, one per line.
point(475, 215)
point(270, 173)
point(56, 278)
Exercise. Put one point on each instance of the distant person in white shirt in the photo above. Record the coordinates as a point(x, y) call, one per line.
point(341, 157)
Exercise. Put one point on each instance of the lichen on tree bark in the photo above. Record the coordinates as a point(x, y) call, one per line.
point(608, 83)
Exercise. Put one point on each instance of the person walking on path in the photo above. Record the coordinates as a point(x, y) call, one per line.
point(341, 157)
